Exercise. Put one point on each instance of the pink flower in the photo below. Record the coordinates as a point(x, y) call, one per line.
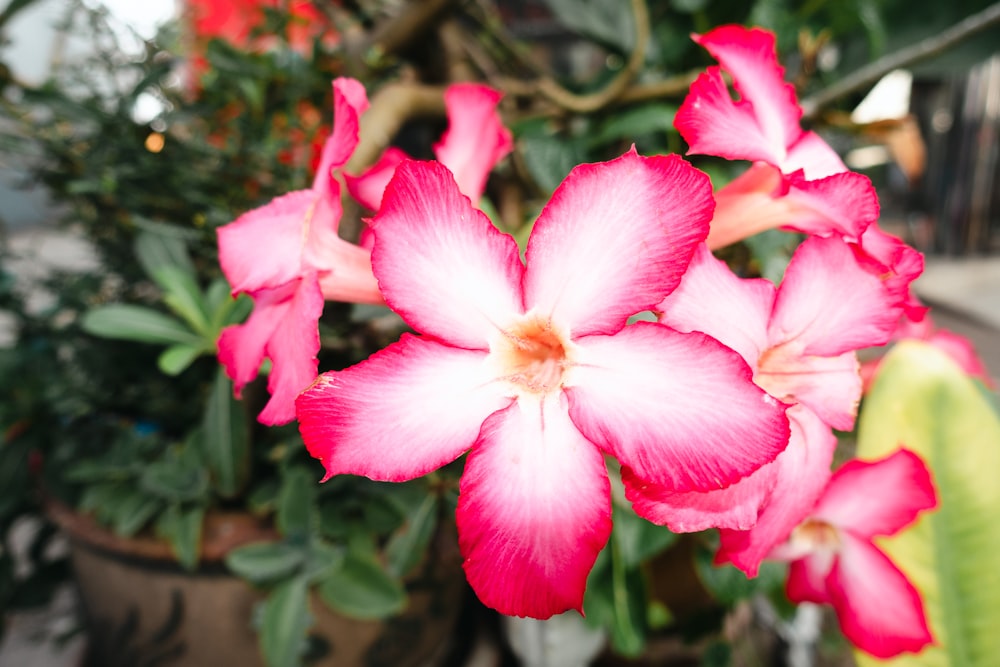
point(797, 181)
point(473, 144)
point(288, 257)
point(531, 368)
point(834, 560)
point(800, 340)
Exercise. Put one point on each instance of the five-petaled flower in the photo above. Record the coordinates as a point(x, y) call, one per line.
point(531, 368)
point(834, 561)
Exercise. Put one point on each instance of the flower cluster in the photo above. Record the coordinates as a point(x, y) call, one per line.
point(721, 412)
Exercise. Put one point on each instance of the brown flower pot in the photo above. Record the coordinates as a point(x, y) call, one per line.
point(144, 610)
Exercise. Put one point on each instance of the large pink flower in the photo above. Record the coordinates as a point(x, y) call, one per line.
point(288, 257)
point(471, 146)
point(797, 181)
point(533, 369)
point(834, 561)
point(800, 340)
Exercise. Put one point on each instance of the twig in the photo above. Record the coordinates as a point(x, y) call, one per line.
point(909, 55)
point(547, 86)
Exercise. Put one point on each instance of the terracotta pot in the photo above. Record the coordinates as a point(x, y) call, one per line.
point(144, 610)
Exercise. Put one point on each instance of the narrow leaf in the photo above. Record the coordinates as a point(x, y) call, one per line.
point(145, 325)
point(225, 438)
point(923, 401)
point(265, 561)
point(156, 250)
point(285, 623)
point(175, 359)
point(408, 544)
point(183, 296)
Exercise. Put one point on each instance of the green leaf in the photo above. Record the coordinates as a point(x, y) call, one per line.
point(156, 250)
point(265, 561)
point(182, 529)
point(174, 479)
point(638, 539)
point(607, 21)
point(133, 512)
point(408, 544)
point(145, 325)
point(923, 401)
point(728, 585)
point(615, 599)
point(360, 588)
point(225, 438)
point(176, 358)
point(646, 119)
point(286, 621)
point(183, 296)
point(549, 158)
point(295, 502)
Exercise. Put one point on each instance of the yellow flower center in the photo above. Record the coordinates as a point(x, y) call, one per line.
point(816, 535)
point(532, 355)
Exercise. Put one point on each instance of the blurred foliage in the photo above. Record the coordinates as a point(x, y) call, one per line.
point(145, 433)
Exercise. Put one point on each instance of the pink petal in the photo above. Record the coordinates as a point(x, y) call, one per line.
point(440, 263)
point(829, 304)
point(292, 349)
point(349, 102)
point(615, 239)
point(350, 277)
point(897, 264)
point(802, 472)
point(407, 410)
point(534, 510)
point(877, 497)
point(807, 578)
point(879, 610)
point(829, 386)
point(713, 300)
point(263, 248)
point(283, 327)
point(368, 188)
point(813, 156)
point(475, 139)
point(678, 409)
point(734, 507)
point(750, 57)
point(713, 124)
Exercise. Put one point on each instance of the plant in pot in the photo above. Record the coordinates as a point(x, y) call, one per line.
point(142, 454)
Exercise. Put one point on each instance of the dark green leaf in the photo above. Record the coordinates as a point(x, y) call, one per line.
point(225, 438)
point(637, 539)
point(181, 527)
point(137, 323)
point(607, 21)
point(156, 250)
point(550, 158)
point(360, 588)
point(634, 122)
point(133, 512)
point(295, 502)
point(728, 585)
point(408, 544)
point(183, 296)
point(265, 561)
point(286, 621)
point(174, 479)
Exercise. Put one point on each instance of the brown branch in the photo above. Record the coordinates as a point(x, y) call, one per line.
point(909, 55)
point(550, 89)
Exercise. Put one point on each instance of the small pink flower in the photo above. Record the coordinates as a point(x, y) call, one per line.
point(473, 144)
point(834, 560)
point(288, 257)
point(797, 181)
point(530, 367)
point(800, 340)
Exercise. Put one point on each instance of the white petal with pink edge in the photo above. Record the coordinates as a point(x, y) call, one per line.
point(813, 155)
point(440, 263)
point(242, 346)
point(713, 124)
point(349, 102)
point(829, 386)
point(750, 57)
point(879, 610)
point(878, 497)
point(713, 300)
point(407, 410)
point(678, 409)
point(292, 348)
point(615, 239)
point(802, 471)
point(279, 226)
point(841, 205)
point(534, 510)
point(735, 507)
point(829, 304)
point(475, 139)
